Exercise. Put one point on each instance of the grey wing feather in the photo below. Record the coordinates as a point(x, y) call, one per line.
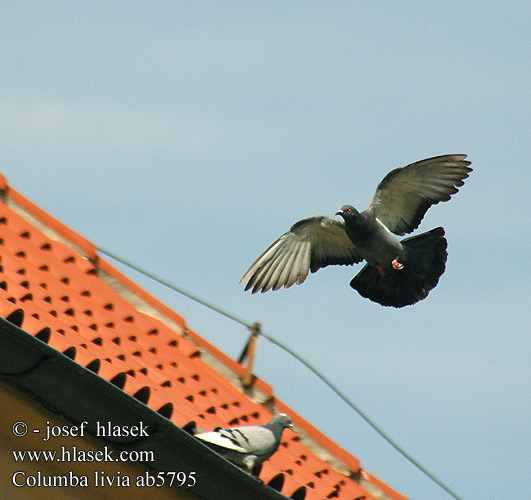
point(310, 244)
point(255, 440)
point(405, 194)
point(218, 439)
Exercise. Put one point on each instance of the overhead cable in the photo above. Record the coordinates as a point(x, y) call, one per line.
point(292, 353)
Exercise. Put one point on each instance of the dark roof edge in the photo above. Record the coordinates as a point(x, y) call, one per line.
point(69, 389)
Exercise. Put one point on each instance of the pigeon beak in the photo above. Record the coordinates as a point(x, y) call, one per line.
point(339, 212)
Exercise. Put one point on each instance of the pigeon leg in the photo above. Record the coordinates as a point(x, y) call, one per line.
point(249, 461)
point(381, 271)
point(398, 266)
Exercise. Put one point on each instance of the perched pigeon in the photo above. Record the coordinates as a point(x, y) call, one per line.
point(397, 273)
point(248, 446)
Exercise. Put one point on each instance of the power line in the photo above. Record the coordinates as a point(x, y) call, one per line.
point(292, 353)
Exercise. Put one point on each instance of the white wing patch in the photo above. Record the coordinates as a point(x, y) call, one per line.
point(220, 440)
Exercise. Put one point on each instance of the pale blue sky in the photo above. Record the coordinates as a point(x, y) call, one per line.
point(187, 136)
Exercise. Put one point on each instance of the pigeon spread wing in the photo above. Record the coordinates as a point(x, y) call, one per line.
point(310, 244)
point(405, 194)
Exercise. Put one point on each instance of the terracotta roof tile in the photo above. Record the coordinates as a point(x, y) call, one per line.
point(52, 287)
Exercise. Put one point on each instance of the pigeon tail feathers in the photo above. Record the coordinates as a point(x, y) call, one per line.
point(424, 263)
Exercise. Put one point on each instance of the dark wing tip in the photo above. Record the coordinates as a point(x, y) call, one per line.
point(405, 194)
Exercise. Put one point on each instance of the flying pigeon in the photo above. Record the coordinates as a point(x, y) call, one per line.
point(397, 273)
point(250, 445)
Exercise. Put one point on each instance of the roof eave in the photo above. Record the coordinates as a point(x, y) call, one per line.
point(78, 394)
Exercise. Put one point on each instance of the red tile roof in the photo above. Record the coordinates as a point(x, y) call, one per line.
point(60, 283)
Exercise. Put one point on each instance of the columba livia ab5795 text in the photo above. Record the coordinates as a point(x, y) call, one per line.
point(397, 273)
point(248, 446)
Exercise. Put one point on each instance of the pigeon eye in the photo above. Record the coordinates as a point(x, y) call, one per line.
point(349, 210)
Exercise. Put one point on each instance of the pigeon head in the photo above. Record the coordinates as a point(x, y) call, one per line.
point(281, 421)
point(347, 211)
